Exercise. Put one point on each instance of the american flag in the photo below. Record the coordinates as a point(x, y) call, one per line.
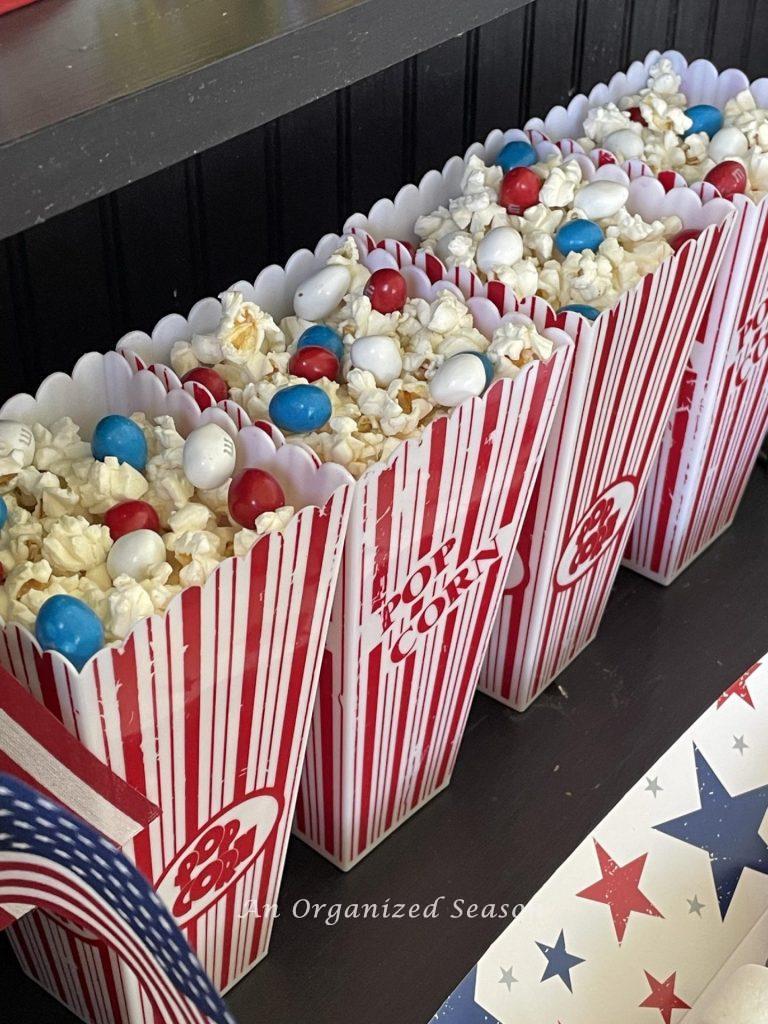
point(52, 860)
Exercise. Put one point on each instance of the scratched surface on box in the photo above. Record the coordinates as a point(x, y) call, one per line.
point(425, 559)
point(711, 442)
point(643, 914)
point(597, 461)
point(205, 711)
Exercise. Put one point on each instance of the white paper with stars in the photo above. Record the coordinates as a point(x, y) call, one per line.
point(671, 886)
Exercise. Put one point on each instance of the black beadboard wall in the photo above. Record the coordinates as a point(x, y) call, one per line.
point(81, 280)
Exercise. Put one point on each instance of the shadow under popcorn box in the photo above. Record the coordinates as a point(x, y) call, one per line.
point(430, 538)
point(204, 710)
point(625, 374)
point(716, 427)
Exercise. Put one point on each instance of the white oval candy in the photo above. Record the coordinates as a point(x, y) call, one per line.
point(726, 143)
point(17, 437)
point(601, 199)
point(624, 143)
point(379, 355)
point(135, 554)
point(320, 294)
point(209, 457)
point(460, 377)
point(502, 247)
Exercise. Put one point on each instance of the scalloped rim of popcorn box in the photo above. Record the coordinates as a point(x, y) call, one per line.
point(103, 383)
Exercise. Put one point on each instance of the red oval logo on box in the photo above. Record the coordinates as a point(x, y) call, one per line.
point(595, 532)
point(228, 845)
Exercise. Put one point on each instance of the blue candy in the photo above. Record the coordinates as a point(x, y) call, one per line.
point(705, 118)
point(324, 337)
point(577, 307)
point(299, 408)
point(3, 513)
point(578, 235)
point(487, 365)
point(67, 625)
point(516, 154)
point(122, 438)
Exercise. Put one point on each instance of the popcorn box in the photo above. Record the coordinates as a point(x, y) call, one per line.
point(656, 913)
point(714, 433)
point(204, 710)
point(428, 546)
point(626, 372)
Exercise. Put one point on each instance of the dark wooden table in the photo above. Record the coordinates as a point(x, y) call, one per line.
point(526, 790)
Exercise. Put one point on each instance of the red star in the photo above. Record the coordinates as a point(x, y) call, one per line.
point(619, 887)
point(739, 689)
point(663, 998)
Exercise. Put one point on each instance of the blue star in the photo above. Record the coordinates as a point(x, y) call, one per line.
point(559, 961)
point(726, 827)
point(460, 1007)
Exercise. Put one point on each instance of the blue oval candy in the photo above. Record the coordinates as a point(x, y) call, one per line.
point(577, 307)
point(324, 337)
point(299, 408)
point(578, 235)
point(705, 118)
point(122, 438)
point(67, 625)
point(485, 359)
point(3, 513)
point(516, 154)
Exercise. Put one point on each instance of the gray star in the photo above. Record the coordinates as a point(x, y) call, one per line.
point(507, 978)
point(740, 745)
point(653, 786)
point(694, 906)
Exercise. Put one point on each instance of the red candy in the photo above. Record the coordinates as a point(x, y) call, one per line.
point(668, 180)
point(129, 516)
point(313, 362)
point(635, 115)
point(682, 237)
point(252, 493)
point(605, 157)
point(387, 290)
point(729, 177)
point(520, 189)
point(209, 379)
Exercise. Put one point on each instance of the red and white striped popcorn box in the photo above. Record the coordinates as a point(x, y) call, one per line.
point(204, 710)
point(721, 416)
point(429, 543)
point(626, 373)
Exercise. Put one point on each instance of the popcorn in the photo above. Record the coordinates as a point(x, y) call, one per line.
point(73, 544)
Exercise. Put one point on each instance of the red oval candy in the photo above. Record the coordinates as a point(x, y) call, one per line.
point(252, 493)
point(313, 362)
point(668, 180)
point(635, 115)
point(729, 178)
point(387, 290)
point(520, 189)
point(129, 516)
point(209, 379)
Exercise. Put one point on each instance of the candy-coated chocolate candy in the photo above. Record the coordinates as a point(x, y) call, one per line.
point(705, 118)
point(252, 493)
point(516, 154)
point(209, 457)
point(578, 307)
point(604, 158)
point(501, 247)
point(129, 516)
point(17, 437)
point(601, 199)
point(321, 293)
point(313, 362)
point(299, 408)
point(136, 554)
point(635, 115)
point(387, 290)
point(625, 144)
point(67, 625)
point(324, 337)
point(458, 378)
point(379, 355)
point(3, 513)
point(578, 235)
point(729, 178)
point(122, 438)
point(682, 237)
point(2, 574)
point(668, 180)
point(519, 190)
point(488, 366)
point(209, 379)
point(728, 142)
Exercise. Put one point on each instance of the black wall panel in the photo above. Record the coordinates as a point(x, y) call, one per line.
point(80, 280)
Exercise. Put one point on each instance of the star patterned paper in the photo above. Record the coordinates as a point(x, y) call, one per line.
point(647, 910)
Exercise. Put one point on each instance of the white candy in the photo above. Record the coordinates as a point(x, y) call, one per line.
point(624, 143)
point(380, 356)
point(209, 457)
point(320, 294)
point(17, 437)
point(460, 377)
point(443, 245)
point(726, 143)
point(601, 199)
point(502, 247)
point(136, 555)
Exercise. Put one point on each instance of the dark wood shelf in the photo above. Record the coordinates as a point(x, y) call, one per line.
point(94, 95)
